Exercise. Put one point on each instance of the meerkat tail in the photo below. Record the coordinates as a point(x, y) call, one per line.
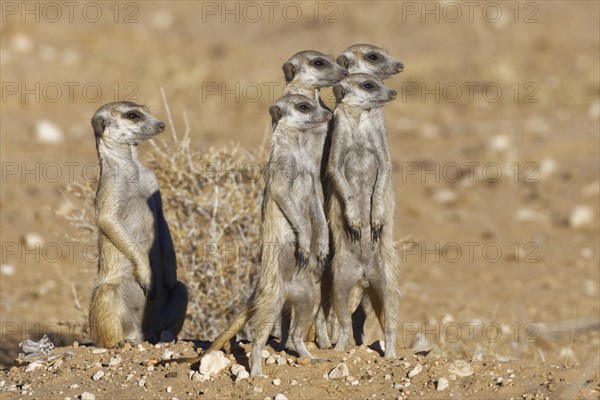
point(105, 326)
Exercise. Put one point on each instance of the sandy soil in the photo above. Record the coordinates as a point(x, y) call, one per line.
point(503, 262)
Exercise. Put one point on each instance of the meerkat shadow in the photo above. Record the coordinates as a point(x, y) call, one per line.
point(167, 299)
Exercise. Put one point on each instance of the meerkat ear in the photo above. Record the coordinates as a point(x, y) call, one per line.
point(343, 61)
point(338, 92)
point(289, 71)
point(98, 125)
point(275, 112)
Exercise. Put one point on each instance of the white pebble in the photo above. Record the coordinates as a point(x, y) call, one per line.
point(445, 196)
point(271, 359)
point(21, 43)
point(500, 142)
point(167, 354)
point(98, 375)
point(7, 269)
point(460, 368)
point(340, 371)
point(280, 396)
point(74, 386)
point(48, 132)
point(140, 347)
point(354, 382)
point(415, 371)
point(115, 360)
point(581, 216)
point(265, 354)
point(99, 351)
point(258, 389)
point(387, 377)
point(141, 382)
point(162, 19)
point(442, 384)
point(241, 375)
point(169, 389)
point(32, 240)
point(213, 363)
point(32, 366)
point(277, 382)
point(88, 396)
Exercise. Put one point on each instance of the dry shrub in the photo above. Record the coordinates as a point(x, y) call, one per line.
point(211, 201)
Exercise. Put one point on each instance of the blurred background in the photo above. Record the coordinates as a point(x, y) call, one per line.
point(494, 140)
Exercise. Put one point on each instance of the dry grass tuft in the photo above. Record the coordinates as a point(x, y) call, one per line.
point(212, 204)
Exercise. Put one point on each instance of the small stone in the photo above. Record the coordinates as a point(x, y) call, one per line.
point(460, 368)
point(272, 359)
point(140, 347)
point(141, 382)
point(281, 361)
point(99, 351)
point(354, 382)
point(74, 386)
point(32, 366)
point(265, 354)
point(581, 216)
point(115, 360)
point(340, 371)
point(98, 375)
point(75, 344)
point(442, 384)
point(277, 382)
point(303, 361)
point(241, 375)
point(88, 396)
point(387, 377)
point(258, 389)
point(198, 377)
point(213, 363)
point(127, 346)
point(445, 196)
point(294, 382)
point(48, 132)
point(7, 269)
point(415, 371)
point(280, 396)
point(167, 354)
point(169, 389)
point(477, 357)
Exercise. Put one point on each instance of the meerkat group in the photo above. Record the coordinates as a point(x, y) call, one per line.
point(326, 223)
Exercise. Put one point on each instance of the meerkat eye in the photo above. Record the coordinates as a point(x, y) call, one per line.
point(373, 56)
point(368, 85)
point(133, 116)
point(318, 63)
point(303, 107)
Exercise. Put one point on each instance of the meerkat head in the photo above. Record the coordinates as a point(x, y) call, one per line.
point(125, 122)
point(298, 112)
point(363, 91)
point(314, 69)
point(368, 59)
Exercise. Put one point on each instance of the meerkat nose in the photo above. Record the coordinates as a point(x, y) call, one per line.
point(161, 126)
point(393, 93)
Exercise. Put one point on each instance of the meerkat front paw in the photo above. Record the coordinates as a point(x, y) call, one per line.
point(353, 228)
point(143, 275)
point(377, 216)
point(303, 253)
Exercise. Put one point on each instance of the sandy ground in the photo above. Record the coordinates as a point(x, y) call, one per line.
point(501, 260)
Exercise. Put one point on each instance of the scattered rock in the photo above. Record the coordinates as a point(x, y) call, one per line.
point(445, 196)
point(74, 386)
point(442, 384)
point(162, 19)
point(167, 354)
point(48, 132)
point(98, 375)
point(265, 354)
point(115, 360)
point(169, 389)
point(478, 357)
point(415, 371)
point(339, 372)
point(141, 382)
point(198, 377)
point(354, 382)
point(460, 368)
point(32, 240)
point(213, 363)
point(32, 366)
point(387, 377)
point(581, 216)
point(21, 43)
point(88, 396)
point(99, 351)
point(280, 396)
point(277, 382)
point(7, 269)
point(272, 359)
point(258, 389)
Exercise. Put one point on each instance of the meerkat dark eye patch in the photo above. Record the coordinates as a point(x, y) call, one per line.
point(133, 115)
point(303, 107)
point(373, 57)
point(318, 62)
point(368, 85)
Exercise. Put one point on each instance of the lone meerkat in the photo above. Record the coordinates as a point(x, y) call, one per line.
point(136, 295)
point(291, 252)
point(363, 200)
point(372, 60)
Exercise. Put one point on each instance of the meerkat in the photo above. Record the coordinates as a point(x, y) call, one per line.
point(363, 200)
point(306, 73)
point(368, 59)
point(294, 233)
point(136, 295)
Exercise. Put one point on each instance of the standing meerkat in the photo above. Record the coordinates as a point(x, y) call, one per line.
point(136, 295)
point(294, 234)
point(372, 60)
point(361, 208)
